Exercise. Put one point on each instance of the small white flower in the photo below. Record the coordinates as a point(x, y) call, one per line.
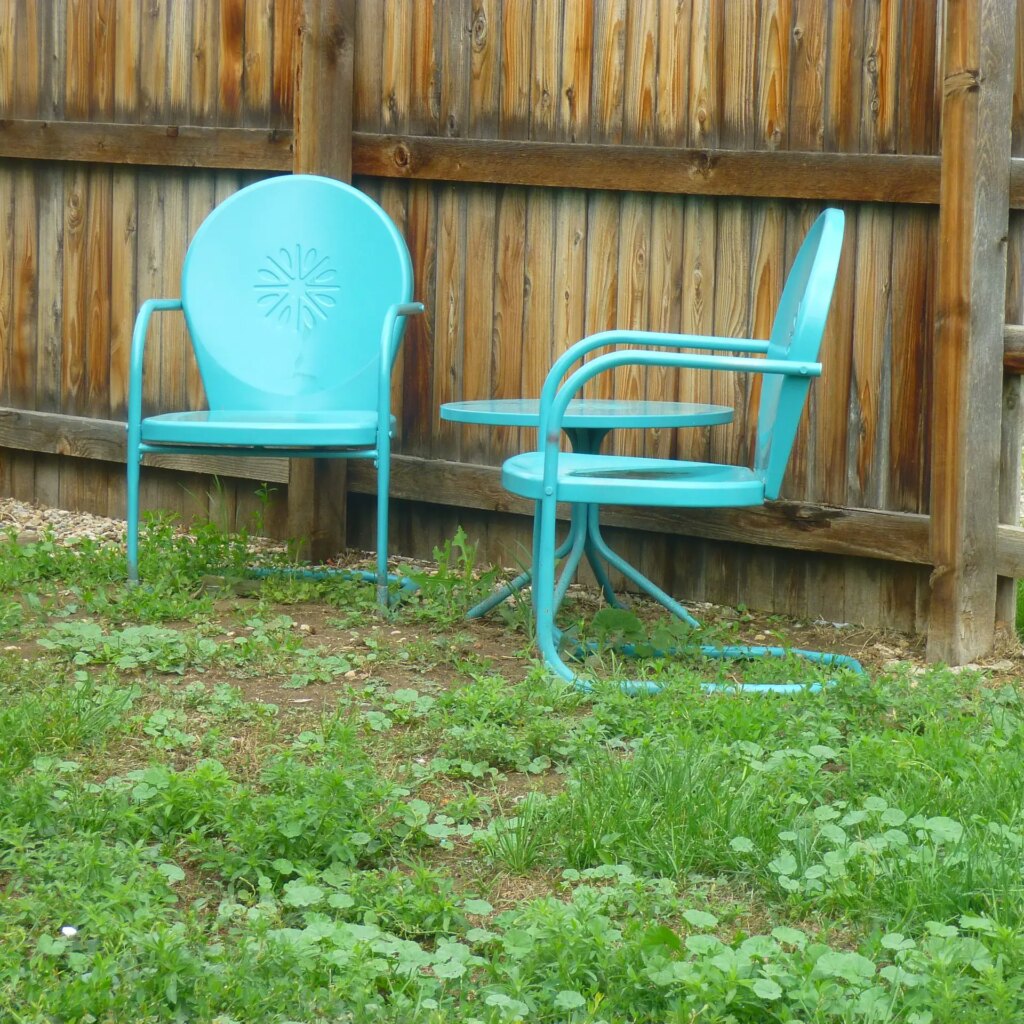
point(68, 932)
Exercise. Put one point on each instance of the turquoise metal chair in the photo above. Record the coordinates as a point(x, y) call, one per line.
point(295, 292)
point(787, 363)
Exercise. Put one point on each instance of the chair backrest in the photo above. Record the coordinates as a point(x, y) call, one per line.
point(285, 288)
point(796, 335)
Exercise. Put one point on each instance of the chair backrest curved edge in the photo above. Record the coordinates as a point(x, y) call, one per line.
point(222, 386)
point(796, 335)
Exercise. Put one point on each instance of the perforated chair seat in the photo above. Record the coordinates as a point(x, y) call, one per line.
point(621, 480)
point(289, 429)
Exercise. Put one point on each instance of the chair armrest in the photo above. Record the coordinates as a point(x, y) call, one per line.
point(135, 360)
point(552, 408)
point(391, 336)
point(394, 329)
point(647, 338)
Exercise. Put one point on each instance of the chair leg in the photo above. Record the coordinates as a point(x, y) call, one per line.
point(631, 572)
point(544, 590)
point(132, 513)
point(383, 483)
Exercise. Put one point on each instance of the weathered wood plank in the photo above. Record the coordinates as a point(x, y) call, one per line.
point(838, 177)
point(19, 286)
point(481, 241)
point(317, 503)
point(323, 88)
point(1012, 431)
point(577, 72)
point(867, 458)
point(282, 100)
point(179, 62)
point(1013, 348)
point(1010, 551)
point(538, 296)
point(257, 78)
point(371, 31)
point(231, 61)
point(449, 316)
point(861, 177)
point(50, 314)
point(152, 145)
point(978, 85)
point(127, 28)
point(804, 526)
point(8, 257)
point(913, 312)
point(507, 335)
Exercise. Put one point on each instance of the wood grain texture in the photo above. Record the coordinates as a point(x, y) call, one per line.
point(861, 177)
point(324, 69)
point(1012, 433)
point(978, 88)
point(323, 89)
point(805, 526)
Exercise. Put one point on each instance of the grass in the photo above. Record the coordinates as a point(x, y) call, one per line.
point(264, 803)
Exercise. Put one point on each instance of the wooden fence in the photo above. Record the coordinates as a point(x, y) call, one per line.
point(558, 167)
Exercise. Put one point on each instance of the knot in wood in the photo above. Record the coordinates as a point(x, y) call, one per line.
point(402, 156)
point(962, 82)
point(703, 164)
point(479, 30)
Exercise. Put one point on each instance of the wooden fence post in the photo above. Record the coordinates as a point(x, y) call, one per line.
point(973, 216)
point(322, 144)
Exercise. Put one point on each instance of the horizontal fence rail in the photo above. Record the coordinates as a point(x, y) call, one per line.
point(780, 174)
point(796, 525)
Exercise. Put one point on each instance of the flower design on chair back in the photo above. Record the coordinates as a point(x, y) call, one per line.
point(296, 286)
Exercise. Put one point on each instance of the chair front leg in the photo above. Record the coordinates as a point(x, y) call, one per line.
point(383, 484)
point(132, 512)
point(544, 598)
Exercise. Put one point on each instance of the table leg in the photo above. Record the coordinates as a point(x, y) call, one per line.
point(578, 532)
point(600, 546)
point(593, 550)
point(524, 578)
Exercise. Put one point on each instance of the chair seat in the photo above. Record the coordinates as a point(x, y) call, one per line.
point(289, 429)
point(621, 480)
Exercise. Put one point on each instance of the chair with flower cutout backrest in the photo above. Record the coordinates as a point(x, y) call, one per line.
point(295, 293)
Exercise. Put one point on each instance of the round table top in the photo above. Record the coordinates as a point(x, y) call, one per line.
point(588, 413)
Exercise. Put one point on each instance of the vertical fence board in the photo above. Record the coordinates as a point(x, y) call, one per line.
point(418, 364)
point(283, 72)
point(1012, 432)
point(509, 274)
point(968, 327)
point(204, 79)
point(231, 60)
point(481, 246)
point(257, 75)
point(577, 71)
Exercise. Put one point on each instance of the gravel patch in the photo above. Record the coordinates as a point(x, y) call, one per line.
point(31, 523)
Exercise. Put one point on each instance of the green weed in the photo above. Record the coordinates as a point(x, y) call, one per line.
point(440, 842)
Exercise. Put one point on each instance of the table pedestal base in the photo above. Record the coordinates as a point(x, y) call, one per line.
point(585, 539)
